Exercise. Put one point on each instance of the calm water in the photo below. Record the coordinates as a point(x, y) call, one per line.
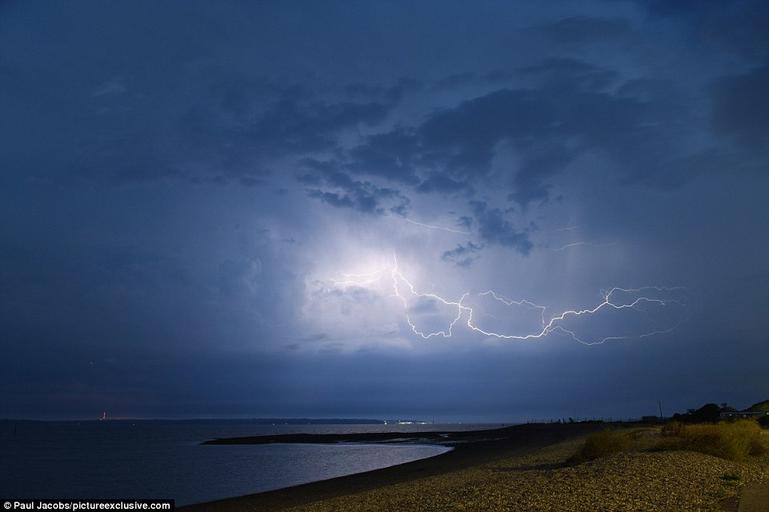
point(115, 459)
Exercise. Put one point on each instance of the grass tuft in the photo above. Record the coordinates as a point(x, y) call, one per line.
point(601, 444)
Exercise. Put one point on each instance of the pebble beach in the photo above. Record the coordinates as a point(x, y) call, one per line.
point(531, 469)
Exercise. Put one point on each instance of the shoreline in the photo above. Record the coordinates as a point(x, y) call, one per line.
point(469, 448)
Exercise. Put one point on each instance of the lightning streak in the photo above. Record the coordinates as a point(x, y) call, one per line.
point(403, 289)
point(442, 228)
point(397, 276)
point(607, 303)
point(589, 244)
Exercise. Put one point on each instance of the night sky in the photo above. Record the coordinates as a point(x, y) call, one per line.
point(207, 208)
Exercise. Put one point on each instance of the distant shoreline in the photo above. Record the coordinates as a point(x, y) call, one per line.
point(470, 448)
point(439, 437)
point(254, 421)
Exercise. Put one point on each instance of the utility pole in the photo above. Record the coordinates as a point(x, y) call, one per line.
point(659, 404)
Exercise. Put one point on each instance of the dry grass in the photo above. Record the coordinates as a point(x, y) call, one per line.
point(603, 443)
point(728, 440)
point(673, 428)
point(732, 441)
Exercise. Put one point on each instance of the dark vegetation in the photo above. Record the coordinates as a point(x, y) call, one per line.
point(761, 407)
point(713, 429)
point(706, 413)
point(603, 443)
point(711, 413)
point(731, 440)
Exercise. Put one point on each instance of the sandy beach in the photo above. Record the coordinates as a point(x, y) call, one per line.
point(524, 467)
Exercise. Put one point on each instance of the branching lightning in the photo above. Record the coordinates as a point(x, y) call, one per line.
point(404, 290)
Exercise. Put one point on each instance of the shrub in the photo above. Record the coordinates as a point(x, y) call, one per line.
point(756, 448)
point(673, 428)
point(708, 412)
point(733, 441)
point(601, 444)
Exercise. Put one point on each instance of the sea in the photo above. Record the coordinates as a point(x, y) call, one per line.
point(166, 460)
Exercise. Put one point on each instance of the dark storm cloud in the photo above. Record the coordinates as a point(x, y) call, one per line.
point(736, 27)
point(456, 80)
point(493, 228)
point(363, 197)
point(584, 29)
point(342, 191)
point(390, 154)
point(740, 109)
point(570, 108)
point(557, 73)
point(437, 182)
point(290, 127)
point(168, 107)
point(462, 255)
point(388, 93)
point(220, 141)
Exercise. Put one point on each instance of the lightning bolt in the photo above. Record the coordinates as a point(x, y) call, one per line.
point(397, 277)
point(607, 303)
point(589, 244)
point(441, 228)
point(404, 289)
